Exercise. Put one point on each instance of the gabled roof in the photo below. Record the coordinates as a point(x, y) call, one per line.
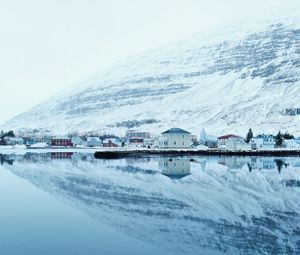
point(176, 131)
point(228, 136)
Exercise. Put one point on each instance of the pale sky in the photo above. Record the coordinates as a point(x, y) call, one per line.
point(48, 45)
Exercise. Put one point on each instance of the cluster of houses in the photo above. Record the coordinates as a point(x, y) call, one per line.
point(174, 138)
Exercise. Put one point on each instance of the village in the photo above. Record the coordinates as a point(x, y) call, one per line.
point(171, 139)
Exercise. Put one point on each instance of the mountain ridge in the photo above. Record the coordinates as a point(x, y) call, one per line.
point(224, 86)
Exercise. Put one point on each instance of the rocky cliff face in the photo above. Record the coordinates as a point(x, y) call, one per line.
point(244, 78)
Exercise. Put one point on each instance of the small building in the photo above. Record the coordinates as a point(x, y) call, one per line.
point(149, 143)
point(263, 142)
point(8, 140)
point(175, 138)
point(223, 140)
point(111, 143)
point(233, 142)
point(292, 144)
point(137, 134)
point(93, 141)
point(61, 141)
point(136, 142)
point(78, 141)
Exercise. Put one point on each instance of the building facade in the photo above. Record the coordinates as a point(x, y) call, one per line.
point(175, 138)
point(233, 142)
point(137, 134)
point(93, 141)
point(111, 143)
point(263, 142)
point(61, 141)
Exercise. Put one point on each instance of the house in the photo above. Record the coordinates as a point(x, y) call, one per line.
point(175, 138)
point(137, 134)
point(292, 144)
point(222, 140)
point(233, 142)
point(263, 142)
point(63, 141)
point(136, 142)
point(8, 140)
point(78, 141)
point(111, 142)
point(93, 141)
point(137, 138)
point(149, 143)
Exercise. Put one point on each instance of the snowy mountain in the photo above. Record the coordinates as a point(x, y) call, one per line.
point(245, 76)
point(221, 209)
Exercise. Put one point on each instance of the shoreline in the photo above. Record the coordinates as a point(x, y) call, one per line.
point(181, 153)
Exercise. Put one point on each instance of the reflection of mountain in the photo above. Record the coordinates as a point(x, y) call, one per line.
point(213, 209)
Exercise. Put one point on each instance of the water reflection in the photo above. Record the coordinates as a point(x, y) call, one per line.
point(175, 168)
point(220, 208)
point(258, 163)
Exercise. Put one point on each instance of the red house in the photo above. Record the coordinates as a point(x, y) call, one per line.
point(109, 143)
point(63, 141)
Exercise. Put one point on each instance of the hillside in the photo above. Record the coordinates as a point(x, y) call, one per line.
point(245, 76)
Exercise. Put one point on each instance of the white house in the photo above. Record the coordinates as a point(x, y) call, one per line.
point(175, 138)
point(78, 141)
point(292, 144)
point(93, 141)
point(263, 142)
point(232, 142)
point(13, 140)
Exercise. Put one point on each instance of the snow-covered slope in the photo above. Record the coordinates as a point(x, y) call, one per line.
point(246, 76)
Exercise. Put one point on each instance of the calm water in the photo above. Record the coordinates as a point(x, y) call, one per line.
point(69, 203)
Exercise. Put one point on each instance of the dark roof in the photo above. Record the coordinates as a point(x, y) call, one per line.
point(228, 136)
point(176, 131)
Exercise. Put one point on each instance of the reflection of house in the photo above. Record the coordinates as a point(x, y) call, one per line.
point(175, 138)
point(174, 167)
point(232, 142)
point(61, 141)
point(61, 155)
point(264, 142)
point(262, 163)
point(93, 141)
point(234, 163)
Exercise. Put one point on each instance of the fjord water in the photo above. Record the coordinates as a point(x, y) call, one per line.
point(71, 203)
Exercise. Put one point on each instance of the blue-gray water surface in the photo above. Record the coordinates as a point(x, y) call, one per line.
point(72, 203)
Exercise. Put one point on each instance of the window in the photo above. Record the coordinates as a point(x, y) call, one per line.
point(174, 143)
point(182, 143)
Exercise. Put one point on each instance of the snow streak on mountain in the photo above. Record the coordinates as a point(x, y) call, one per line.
point(229, 82)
